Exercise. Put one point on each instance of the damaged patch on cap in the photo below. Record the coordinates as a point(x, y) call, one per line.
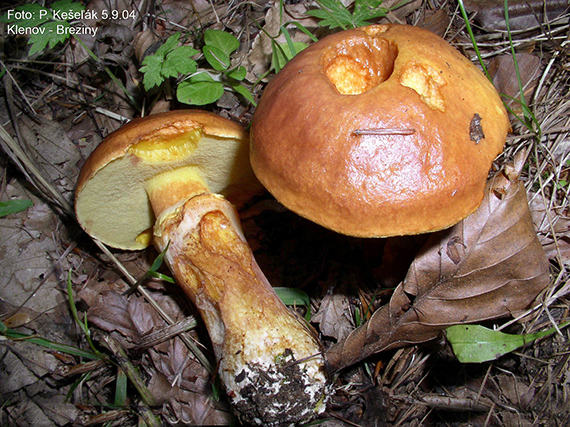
point(475, 129)
point(359, 64)
point(426, 81)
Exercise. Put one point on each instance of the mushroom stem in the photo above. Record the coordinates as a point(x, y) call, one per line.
point(156, 180)
point(268, 359)
point(174, 187)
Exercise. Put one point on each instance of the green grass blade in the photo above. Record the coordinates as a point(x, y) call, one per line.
point(243, 91)
point(72, 306)
point(160, 276)
point(14, 206)
point(472, 37)
point(83, 378)
point(83, 325)
point(513, 54)
point(121, 389)
point(290, 44)
point(530, 119)
point(51, 345)
point(304, 30)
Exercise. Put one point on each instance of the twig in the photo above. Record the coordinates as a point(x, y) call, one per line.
point(453, 403)
point(185, 338)
point(36, 178)
point(68, 82)
point(129, 369)
point(166, 333)
point(13, 81)
point(32, 172)
point(383, 131)
point(113, 115)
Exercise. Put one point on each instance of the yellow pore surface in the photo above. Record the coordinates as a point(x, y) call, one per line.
point(116, 205)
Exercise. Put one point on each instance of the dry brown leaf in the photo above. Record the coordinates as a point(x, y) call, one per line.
point(506, 74)
point(551, 223)
point(491, 265)
point(179, 382)
point(437, 21)
point(30, 251)
point(523, 14)
point(334, 316)
point(53, 152)
point(259, 57)
point(110, 312)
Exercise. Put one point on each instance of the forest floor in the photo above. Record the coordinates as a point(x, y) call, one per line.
point(72, 343)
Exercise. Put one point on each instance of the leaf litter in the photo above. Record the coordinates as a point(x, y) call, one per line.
point(492, 255)
point(349, 282)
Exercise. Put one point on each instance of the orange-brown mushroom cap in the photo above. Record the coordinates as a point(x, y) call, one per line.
point(112, 200)
point(378, 131)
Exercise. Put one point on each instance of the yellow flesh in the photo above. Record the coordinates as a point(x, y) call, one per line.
point(157, 150)
point(426, 81)
point(355, 66)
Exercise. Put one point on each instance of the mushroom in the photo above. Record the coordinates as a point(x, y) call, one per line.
point(378, 131)
point(164, 179)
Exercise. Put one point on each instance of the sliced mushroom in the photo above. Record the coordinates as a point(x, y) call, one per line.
point(164, 179)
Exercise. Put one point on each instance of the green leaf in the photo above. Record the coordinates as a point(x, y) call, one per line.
point(217, 58)
point(243, 91)
point(282, 54)
point(237, 73)
point(179, 62)
point(38, 42)
point(200, 89)
point(168, 61)
point(365, 10)
point(152, 71)
point(293, 296)
point(169, 44)
point(334, 14)
point(477, 344)
point(14, 206)
point(43, 19)
point(221, 40)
